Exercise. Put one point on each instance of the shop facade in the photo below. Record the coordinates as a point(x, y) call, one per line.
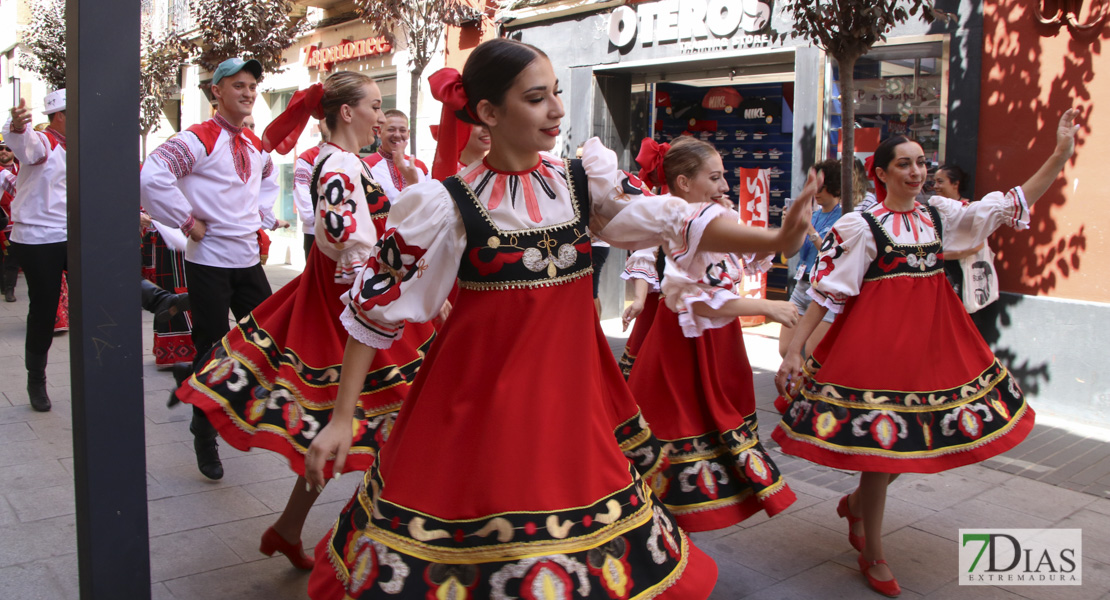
point(712, 68)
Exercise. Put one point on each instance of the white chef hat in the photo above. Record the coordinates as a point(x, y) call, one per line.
point(55, 101)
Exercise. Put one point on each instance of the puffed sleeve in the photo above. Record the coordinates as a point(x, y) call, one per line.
point(714, 287)
point(345, 224)
point(965, 227)
point(846, 252)
point(625, 215)
point(641, 265)
point(411, 270)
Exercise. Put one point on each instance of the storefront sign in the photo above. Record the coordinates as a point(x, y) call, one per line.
point(754, 204)
point(316, 57)
point(697, 25)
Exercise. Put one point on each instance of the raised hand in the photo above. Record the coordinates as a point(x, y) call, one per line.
point(21, 116)
point(407, 168)
point(1065, 133)
point(796, 221)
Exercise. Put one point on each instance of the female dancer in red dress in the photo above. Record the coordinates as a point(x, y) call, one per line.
point(641, 271)
point(930, 396)
point(272, 381)
point(692, 379)
point(501, 478)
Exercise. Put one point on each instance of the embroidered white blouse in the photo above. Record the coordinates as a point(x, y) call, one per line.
point(849, 248)
point(344, 230)
point(39, 207)
point(429, 235)
point(217, 173)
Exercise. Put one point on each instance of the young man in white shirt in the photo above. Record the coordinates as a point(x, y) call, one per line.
point(38, 238)
point(214, 182)
point(383, 166)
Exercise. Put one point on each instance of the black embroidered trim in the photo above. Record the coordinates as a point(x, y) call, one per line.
point(497, 260)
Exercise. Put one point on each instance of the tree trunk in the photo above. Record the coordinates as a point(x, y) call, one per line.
point(847, 65)
point(414, 97)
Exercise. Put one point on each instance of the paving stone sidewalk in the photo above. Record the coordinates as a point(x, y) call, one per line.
point(204, 535)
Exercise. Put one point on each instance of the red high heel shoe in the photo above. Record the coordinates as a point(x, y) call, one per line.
point(888, 588)
point(844, 512)
point(273, 542)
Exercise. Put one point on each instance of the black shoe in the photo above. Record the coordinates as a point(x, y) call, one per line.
point(36, 381)
point(181, 373)
point(9, 295)
point(36, 390)
point(169, 307)
point(204, 444)
point(208, 458)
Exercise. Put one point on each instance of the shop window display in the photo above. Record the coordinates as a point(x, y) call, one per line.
point(899, 90)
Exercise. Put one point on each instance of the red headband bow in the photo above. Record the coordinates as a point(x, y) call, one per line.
point(453, 134)
point(650, 159)
point(282, 133)
point(880, 187)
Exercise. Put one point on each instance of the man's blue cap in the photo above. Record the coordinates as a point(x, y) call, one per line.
point(232, 66)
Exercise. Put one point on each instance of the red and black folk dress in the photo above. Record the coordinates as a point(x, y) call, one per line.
point(903, 382)
point(694, 385)
point(640, 265)
point(165, 267)
point(502, 478)
point(271, 382)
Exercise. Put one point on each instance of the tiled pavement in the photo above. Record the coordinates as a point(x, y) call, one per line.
point(204, 534)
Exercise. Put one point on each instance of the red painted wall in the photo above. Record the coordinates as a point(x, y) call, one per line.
point(1032, 73)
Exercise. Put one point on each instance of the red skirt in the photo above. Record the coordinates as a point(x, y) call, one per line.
point(61, 317)
point(698, 395)
point(639, 331)
point(502, 476)
point(271, 382)
point(904, 383)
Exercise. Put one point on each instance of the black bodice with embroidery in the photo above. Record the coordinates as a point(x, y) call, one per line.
point(526, 258)
point(904, 260)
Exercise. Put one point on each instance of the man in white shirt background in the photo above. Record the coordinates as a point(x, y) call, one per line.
point(38, 238)
point(391, 176)
point(214, 182)
point(302, 196)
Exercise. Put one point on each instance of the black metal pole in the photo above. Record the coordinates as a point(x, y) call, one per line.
point(102, 89)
